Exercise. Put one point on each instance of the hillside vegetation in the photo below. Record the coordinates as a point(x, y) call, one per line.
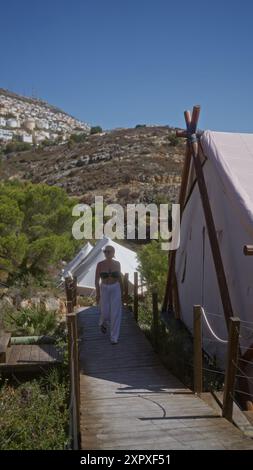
point(35, 228)
point(126, 165)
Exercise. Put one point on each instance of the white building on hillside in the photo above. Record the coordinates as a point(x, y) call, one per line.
point(27, 138)
point(13, 122)
point(5, 134)
point(42, 124)
point(2, 121)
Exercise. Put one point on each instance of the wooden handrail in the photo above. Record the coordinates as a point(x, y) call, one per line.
point(125, 288)
point(155, 318)
point(136, 296)
point(74, 377)
point(232, 359)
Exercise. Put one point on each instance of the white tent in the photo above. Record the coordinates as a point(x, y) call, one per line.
point(71, 267)
point(86, 270)
point(228, 172)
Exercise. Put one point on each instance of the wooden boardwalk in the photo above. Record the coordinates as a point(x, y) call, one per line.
point(129, 400)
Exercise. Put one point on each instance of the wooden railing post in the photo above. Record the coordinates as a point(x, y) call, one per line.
point(69, 305)
point(197, 338)
point(71, 290)
point(136, 296)
point(155, 318)
point(125, 284)
point(74, 376)
point(232, 358)
point(74, 291)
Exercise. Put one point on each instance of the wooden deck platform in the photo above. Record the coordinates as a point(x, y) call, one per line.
point(30, 357)
point(129, 400)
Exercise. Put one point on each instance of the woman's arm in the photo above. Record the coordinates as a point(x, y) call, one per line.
point(97, 283)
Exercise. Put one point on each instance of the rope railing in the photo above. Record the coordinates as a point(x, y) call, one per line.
point(245, 360)
point(234, 371)
point(210, 328)
point(244, 335)
point(220, 315)
point(250, 379)
point(213, 340)
point(243, 393)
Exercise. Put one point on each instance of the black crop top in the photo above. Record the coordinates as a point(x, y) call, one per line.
point(114, 274)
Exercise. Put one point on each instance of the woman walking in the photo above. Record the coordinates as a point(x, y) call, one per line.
point(109, 293)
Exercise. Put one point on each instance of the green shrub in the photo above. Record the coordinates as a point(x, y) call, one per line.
point(34, 415)
point(78, 137)
point(154, 266)
point(48, 143)
point(96, 130)
point(173, 140)
point(17, 147)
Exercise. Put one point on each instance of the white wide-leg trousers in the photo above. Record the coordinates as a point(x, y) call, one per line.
point(111, 308)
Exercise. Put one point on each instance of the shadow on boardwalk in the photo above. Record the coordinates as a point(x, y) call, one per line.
point(129, 400)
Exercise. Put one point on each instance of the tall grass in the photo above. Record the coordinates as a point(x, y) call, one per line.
point(30, 321)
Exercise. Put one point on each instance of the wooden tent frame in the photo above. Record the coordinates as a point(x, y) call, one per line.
point(193, 151)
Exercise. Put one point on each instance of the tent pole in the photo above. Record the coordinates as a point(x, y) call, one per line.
point(168, 297)
point(176, 298)
point(218, 263)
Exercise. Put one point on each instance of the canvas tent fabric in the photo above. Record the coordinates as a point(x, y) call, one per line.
point(71, 267)
point(228, 172)
point(86, 271)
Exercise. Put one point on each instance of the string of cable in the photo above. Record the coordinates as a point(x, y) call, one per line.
point(220, 316)
point(210, 328)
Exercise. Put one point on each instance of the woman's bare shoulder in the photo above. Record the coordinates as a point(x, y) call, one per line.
point(100, 264)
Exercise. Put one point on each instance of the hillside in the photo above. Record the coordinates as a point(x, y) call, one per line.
point(142, 164)
point(33, 121)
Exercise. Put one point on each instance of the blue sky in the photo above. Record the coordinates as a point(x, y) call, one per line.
point(120, 63)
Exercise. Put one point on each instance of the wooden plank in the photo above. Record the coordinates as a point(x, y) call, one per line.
point(25, 353)
point(14, 354)
point(35, 353)
point(248, 250)
point(44, 355)
point(29, 358)
point(242, 419)
point(4, 343)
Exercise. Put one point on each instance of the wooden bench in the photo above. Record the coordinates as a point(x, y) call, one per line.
point(5, 339)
